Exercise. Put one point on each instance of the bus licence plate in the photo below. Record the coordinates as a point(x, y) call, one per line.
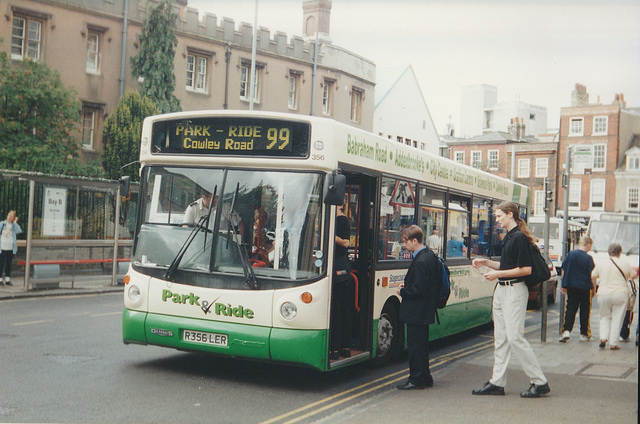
point(205, 338)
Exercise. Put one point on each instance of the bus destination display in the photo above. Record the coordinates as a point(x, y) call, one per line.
point(232, 137)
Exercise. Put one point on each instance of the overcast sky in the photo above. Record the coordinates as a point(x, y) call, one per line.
point(532, 51)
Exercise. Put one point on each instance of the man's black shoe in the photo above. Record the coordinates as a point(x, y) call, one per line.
point(409, 386)
point(535, 391)
point(489, 389)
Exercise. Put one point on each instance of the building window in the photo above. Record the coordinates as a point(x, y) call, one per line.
point(632, 198)
point(476, 159)
point(89, 118)
point(633, 162)
point(293, 90)
point(597, 194)
point(538, 207)
point(599, 156)
point(600, 125)
point(488, 119)
point(245, 72)
point(93, 53)
point(26, 38)
point(356, 104)
point(523, 168)
point(542, 167)
point(196, 73)
point(327, 97)
point(576, 126)
point(532, 116)
point(575, 192)
point(459, 156)
point(494, 159)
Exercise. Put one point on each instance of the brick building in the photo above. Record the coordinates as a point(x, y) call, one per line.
point(603, 139)
point(90, 44)
point(511, 155)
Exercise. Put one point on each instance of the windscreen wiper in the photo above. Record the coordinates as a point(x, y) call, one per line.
point(249, 275)
point(199, 225)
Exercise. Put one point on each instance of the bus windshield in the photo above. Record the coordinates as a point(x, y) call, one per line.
point(268, 219)
point(604, 233)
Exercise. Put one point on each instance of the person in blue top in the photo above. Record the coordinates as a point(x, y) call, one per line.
point(577, 286)
point(9, 229)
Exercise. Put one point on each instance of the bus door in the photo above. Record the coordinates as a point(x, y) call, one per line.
point(360, 193)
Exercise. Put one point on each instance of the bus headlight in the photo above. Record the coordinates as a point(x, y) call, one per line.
point(288, 310)
point(134, 294)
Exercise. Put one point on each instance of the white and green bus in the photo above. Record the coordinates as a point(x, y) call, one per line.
point(252, 278)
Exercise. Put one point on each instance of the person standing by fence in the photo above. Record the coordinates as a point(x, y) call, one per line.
point(9, 229)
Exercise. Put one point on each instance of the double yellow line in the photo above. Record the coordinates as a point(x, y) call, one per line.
point(315, 408)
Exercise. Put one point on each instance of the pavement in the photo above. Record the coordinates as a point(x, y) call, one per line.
point(588, 384)
point(85, 284)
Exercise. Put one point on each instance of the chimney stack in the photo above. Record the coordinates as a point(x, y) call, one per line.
point(579, 96)
point(619, 100)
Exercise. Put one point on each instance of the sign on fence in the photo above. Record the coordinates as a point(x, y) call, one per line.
point(54, 211)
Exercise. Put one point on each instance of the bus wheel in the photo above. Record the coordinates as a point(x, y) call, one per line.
point(389, 341)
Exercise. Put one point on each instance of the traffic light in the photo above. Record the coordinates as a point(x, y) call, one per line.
point(548, 195)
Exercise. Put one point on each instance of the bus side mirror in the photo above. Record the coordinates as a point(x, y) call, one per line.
point(334, 188)
point(124, 186)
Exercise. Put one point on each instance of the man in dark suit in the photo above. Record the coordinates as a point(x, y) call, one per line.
point(418, 306)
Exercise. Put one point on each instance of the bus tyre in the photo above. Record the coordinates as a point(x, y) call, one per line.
point(389, 340)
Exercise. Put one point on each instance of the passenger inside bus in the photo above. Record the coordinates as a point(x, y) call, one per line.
point(199, 208)
point(455, 247)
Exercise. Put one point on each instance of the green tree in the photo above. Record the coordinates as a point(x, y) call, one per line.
point(121, 135)
point(154, 61)
point(37, 117)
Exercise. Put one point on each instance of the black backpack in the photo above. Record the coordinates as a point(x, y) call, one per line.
point(445, 287)
point(539, 269)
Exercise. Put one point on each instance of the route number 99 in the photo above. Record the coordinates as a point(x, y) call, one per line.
point(278, 138)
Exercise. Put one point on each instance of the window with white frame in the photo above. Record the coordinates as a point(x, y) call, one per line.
point(633, 162)
point(575, 192)
point(476, 158)
point(542, 167)
point(494, 159)
point(597, 194)
point(327, 94)
point(93, 52)
point(599, 156)
point(538, 207)
point(89, 124)
point(632, 198)
point(196, 73)
point(294, 79)
point(26, 38)
point(523, 168)
point(576, 126)
point(459, 156)
point(357, 96)
point(600, 125)
point(245, 80)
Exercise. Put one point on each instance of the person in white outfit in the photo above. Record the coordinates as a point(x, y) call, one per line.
point(611, 277)
point(510, 306)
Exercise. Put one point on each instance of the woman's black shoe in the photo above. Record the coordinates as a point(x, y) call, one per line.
point(345, 353)
point(334, 356)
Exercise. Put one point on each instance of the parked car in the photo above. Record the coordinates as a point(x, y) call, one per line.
point(535, 300)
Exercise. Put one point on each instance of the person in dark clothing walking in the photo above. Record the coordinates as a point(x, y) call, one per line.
point(577, 286)
point(418, 306)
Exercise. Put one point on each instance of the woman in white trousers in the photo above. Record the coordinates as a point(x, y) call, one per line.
point(613, 294)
